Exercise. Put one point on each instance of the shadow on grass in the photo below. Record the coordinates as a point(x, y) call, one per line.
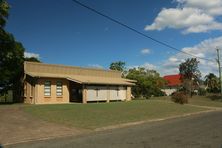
point(6, 103)
point(215, 97)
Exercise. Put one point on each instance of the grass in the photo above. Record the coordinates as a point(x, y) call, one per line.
point(197, 100)
point(95, 115)
point(205, 101)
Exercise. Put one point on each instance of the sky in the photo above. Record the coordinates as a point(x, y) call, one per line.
point(62, 32)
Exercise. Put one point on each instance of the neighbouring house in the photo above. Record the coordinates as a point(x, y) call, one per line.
point(49, 84)
point(173, 83)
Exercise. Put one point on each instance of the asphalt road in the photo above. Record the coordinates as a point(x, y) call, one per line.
point(204, 130)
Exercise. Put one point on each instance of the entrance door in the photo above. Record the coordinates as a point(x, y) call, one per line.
point(75, 92)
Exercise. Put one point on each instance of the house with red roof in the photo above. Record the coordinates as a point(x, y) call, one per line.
point(173, 80)
point(173, 83)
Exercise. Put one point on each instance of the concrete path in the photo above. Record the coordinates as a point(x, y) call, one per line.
point(196, 131)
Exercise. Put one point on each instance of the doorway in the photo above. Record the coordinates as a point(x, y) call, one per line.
point(75, 90)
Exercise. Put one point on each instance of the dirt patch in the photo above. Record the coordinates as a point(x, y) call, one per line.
point(18, 126)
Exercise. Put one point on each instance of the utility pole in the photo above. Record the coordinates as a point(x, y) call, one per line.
point(218, 61)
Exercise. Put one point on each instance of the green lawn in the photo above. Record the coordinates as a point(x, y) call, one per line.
point(205, 101)
point(95, 115)
point(196, 100)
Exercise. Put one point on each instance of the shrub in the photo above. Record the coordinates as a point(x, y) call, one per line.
point(215, 97)
point(202, 92)
point(179, 97)
point(159, 93)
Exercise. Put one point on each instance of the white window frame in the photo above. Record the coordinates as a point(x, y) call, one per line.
point(47, 88)
point(59, 88)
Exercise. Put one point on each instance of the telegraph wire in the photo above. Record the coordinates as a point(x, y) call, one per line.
point(138, 32)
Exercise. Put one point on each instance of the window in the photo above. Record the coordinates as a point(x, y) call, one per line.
point(59, 88)
point(47, 88)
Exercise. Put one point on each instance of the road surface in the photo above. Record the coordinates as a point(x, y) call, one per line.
point(203, 130)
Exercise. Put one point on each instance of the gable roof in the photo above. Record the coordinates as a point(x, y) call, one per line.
point(76, 74)
point(173, 80)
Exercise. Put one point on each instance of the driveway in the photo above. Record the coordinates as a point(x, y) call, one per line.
point(17, 126)
point(203, 130)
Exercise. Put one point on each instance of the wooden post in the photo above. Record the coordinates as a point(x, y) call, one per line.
point(84, 91)
point(128, 93)
point(108, 94)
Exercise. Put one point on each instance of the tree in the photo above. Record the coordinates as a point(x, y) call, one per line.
point(11, 57)
point(119, 66)
point(149, 82)
point(32, 59)
point(4, 7)
point(212, 82)
point(11, 65)
point(190, 74)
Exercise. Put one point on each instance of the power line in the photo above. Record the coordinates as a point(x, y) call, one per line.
point(136, 31)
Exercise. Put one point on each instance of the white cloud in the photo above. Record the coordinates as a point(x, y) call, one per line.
point(193, 16)
point(145, 51)
point(205, 49)
point(96, 66)
point(212, 7)
point(146, 65)
point(29, 55)
point(173, 59)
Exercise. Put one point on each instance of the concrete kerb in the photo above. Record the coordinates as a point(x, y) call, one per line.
point(155, 120)
point(210, 109)
point(40, 139)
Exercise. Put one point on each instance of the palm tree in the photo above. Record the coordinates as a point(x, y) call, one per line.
point(212, 83)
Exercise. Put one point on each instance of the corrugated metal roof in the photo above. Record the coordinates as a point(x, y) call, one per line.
point(76, 74)
point(173, 80)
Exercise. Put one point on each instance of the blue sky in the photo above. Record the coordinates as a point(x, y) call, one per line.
point(62, 32)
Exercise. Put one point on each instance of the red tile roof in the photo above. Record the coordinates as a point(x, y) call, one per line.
point(173, 80)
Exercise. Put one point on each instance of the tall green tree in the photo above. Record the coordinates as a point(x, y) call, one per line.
point(149, 82)
point(119, 66)
point(212, 82)
point(32, 59)
point(4, 8)
point(11, 57)
point(190, 74)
